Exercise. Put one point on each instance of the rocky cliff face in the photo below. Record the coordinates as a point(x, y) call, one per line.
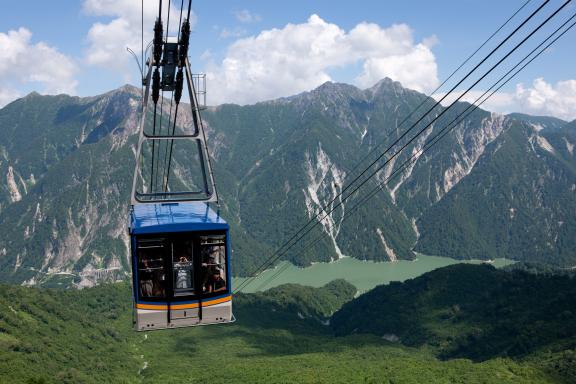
point(72, 158)
point(496, 186)
point(518, 201)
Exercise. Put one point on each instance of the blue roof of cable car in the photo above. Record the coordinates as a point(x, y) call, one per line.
point(174, 217)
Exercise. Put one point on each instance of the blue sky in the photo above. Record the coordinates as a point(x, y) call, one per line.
point(260, 49)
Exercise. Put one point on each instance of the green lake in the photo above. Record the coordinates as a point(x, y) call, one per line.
point(365, 275)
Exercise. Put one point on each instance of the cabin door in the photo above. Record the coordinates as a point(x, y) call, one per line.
point(182, 269)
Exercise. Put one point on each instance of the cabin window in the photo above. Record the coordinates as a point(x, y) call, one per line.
point(186, 264)
point(182, 267)
point(213, 257)
point(151, 270)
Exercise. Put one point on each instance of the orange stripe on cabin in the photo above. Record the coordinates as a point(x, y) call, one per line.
point(184, 306)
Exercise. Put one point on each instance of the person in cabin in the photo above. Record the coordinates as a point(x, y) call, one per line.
point(209, 267)
point(183, 273)
point(158, 283)
point(146, 285)
point(216, 283)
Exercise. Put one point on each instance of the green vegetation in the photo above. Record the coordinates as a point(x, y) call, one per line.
point(308, 302)
point(540, 269)
point(54, 336)
point(515, 204)
point(474, 312)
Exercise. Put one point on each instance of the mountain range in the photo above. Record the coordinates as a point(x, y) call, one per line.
point(495, 186)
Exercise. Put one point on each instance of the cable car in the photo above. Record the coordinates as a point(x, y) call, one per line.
point(180, 246)
point(180, 259)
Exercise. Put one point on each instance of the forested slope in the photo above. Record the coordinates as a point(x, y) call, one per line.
point(470, 325)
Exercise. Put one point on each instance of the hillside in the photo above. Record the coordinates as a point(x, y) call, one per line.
point(470, 311)
point(496, 186)
point(54, 336)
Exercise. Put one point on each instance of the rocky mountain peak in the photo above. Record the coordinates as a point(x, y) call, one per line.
point(385, 83)
point(331, 87)
point(327, 91)
point(32, 94)
point(129, 89)
point(388, 88)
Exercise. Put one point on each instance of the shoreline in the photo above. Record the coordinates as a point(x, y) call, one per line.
point(363, 274)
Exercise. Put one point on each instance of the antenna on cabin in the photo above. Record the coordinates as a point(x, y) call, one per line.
point(137, 62)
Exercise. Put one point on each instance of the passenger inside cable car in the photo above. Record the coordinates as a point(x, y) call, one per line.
point(153, 263)
point(151, 273)
point(182, 267)
point(213, 264)
point(216, 283)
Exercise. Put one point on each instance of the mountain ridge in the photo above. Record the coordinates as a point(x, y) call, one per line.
point(315, 138)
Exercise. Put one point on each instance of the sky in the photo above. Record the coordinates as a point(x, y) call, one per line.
point(260, 49)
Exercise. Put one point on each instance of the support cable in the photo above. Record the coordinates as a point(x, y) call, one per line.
point(157, 55)
point(178, 88)
point(314, 221)
point(162, 142)
point(430, 94)
point(184, 40)
point(425, 100)
point(297, 236)
point(142, 53)
point(447, 129)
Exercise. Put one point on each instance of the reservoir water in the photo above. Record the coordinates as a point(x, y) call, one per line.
point(365, 275)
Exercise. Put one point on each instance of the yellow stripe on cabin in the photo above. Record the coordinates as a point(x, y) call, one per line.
point(184, 306)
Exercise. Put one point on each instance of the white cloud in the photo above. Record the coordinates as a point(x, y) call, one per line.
point(108, 41)
point(430, 41)
point(296, 58)
point(206, 55)
point(546, 99)
point(23, 62)
point(542, 98)
point(245, 16)
point(413, 69)
point(499, 102)
point(226, 33)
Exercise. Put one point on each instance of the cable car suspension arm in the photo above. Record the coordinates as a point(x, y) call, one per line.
point(157, 55)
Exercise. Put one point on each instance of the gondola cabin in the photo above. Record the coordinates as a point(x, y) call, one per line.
point(180, 247)
point(180, 265)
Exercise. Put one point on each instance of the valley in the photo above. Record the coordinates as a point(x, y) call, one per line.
point(430, 329)
point(364, 275)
